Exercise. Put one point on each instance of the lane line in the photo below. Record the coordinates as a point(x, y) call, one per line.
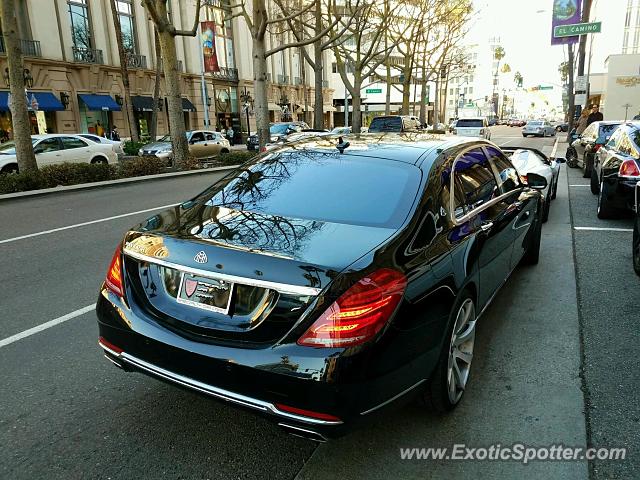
point(603, 229)
point(46, 325)
point(83, 224)
point(555, 148)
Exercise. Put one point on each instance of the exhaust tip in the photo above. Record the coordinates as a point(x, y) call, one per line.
point(303, 433)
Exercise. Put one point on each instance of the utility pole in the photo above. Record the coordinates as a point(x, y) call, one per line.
point(572, 100)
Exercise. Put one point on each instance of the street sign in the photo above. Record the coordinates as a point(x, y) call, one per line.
point(373, 90)
point(576, 29)
point(541, 87)
point(581, 83)
point(581, 99)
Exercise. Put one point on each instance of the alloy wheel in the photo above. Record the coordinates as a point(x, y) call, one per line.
point(461, 350)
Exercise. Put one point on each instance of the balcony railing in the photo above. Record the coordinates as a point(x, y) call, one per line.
point(30, 48)
point(136, 61)
point(283, 79)
point(87, 55)
point(225, 73)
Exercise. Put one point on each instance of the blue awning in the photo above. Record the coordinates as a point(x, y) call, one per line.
point(47, 101)
point(99, 102)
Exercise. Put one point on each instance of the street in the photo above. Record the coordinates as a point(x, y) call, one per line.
point(556, 360)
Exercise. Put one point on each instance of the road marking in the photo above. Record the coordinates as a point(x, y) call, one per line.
point(46, 325)
point(83, 224)
point(555, 148)
point(580, 185)
point(508, 141)
point(603, 229)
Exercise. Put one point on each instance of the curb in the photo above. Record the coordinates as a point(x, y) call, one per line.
point(110, 183)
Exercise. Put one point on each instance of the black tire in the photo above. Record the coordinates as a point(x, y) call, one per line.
point(436, 395)
point(546, 207)
point(224, 150)
point(525, 136)
point(555, 188)
point(595, 186)
point(572, 157)
point(586, 166)
point(605, 210)
point(99, 160)
point(532, 255)
point(11, 168)
point(636, 245)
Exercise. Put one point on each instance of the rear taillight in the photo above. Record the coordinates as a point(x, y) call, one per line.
point(629, 168)
point(109, 346)
point(359, 313)
point(114, 275)
point(307, 413)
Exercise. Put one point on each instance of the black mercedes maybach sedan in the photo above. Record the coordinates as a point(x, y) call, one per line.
point(322, 283)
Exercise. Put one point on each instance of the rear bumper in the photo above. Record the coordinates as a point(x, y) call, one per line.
point(621, 192)
point(261, 380)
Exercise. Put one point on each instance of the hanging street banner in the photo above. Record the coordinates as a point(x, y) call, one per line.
point(208, 39)
point(565, 12)
point(577, 29)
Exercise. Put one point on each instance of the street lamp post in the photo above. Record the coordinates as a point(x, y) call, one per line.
point(246, 102)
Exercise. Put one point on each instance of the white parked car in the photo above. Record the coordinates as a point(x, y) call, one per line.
point(58, 148)
point(117, 144)
point(530, 160)
point(473, 127)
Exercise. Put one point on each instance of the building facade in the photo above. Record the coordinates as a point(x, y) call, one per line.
point(73, 75)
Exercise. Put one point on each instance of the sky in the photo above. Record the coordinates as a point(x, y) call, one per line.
point(524, 27)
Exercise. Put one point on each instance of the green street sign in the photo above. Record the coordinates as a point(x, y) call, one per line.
point(373, 90)
point(547, 87)
point(577, 29)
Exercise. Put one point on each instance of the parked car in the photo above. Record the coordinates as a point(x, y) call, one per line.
point(296, 137)
point(276, 132)
point(538, 128)
point(116, 144)
point(571, 154)
point(531, 160)
point(340, 281)
point(636, 233)
point(452, 126)
point(202, 144)
point(58, 148)
point(587, 144)
point(562, 127)
point(473, 127)
point(341, 131)
point(394, 124)
point(616, 171)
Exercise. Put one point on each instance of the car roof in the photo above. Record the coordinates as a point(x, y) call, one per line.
point(419, 149)
point(471, 118)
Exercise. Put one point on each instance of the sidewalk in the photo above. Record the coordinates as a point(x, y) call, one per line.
point(525, 386)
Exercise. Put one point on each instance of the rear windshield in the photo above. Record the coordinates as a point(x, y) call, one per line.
point(470, 122)
point(607, 130)
point(385, 124)
point(327, 187)
point(535, 124)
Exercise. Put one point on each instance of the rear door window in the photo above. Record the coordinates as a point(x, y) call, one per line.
point(327, 187)
point(478, 182)
point(71, 142)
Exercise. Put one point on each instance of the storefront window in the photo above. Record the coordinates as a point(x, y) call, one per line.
point(94, 121)
point(80, 24)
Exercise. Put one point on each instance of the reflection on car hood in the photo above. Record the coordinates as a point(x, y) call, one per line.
point(156, 145)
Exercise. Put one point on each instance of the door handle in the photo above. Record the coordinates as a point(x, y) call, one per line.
point(525, 215)
point(485, 227)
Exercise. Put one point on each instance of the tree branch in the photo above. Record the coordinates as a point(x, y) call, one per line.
point(194, 29)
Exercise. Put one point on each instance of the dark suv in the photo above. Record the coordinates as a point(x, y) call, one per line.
point(616, 171)
point(277, 131)
point(394, 124)
point(587, 144)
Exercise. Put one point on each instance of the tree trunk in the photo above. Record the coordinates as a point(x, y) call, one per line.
point(18, 106)
point(436, 103)
point(572, 104)
point(260, 86)
point(406, 88)
point(423, 96)
point(356, 103)
point(174, 99)
point(124, 72)
point(318, 109)
point(156, 89)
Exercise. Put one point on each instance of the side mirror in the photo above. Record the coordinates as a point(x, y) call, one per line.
point(535, 181)
point(37, 150)
point(560, 160)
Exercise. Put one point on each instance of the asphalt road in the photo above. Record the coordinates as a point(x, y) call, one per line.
point(68, 413)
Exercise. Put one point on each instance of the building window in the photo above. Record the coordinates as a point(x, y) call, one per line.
point(451, 91)
point(334, 67)
point(451, 102)
point(80, 24)
point(470, 90)
point(127, 24)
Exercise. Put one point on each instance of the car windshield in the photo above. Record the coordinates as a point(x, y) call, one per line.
point(323, 187)
point(607, 129)
point(469, 122)
point(385, 124)
point(279, 129)
point(9, 148)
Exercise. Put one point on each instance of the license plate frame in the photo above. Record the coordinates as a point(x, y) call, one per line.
point(206, 288)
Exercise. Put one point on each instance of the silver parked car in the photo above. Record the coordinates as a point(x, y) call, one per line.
point(538, 128)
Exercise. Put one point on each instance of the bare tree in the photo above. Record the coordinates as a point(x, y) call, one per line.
point(18, 104)
point(167, 32)
point(124, 72)
point(259, 21)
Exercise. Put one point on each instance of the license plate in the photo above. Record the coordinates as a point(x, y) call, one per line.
point(205, 293)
